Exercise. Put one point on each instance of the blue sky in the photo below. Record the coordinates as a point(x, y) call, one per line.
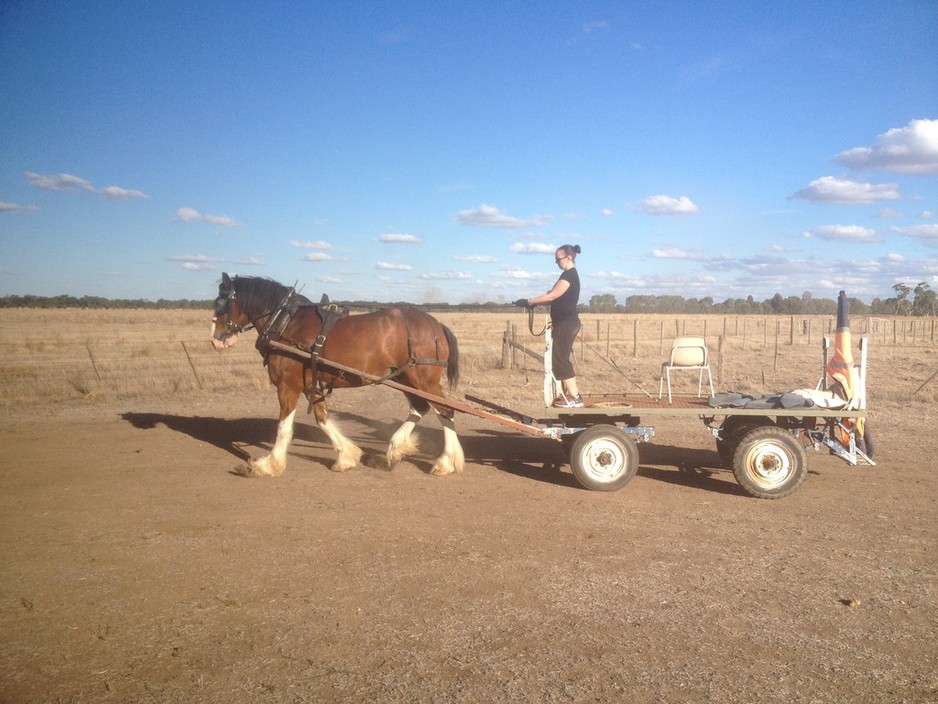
point(441, 151)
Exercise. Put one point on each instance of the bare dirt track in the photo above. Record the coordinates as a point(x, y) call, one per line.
point(138, 567)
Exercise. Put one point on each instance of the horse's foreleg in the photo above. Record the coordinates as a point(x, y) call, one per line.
point(273, 464)
point(349, 454)
point(403, 442)
point(452, 459)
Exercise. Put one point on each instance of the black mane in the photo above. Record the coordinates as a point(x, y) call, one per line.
point(257, 295)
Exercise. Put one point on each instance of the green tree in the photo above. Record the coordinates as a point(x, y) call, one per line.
point(602, 303)
point(902, 302)
point(925, 301)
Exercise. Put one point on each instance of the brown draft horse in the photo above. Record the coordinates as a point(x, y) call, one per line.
point(399, 343)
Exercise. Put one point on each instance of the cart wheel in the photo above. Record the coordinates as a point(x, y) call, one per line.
point(769, 463)
point(732, 430)
point(603, 458)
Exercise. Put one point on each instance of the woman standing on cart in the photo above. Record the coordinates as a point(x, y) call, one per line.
point(564, 322)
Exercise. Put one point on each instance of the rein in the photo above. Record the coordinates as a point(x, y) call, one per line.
point(531, 323)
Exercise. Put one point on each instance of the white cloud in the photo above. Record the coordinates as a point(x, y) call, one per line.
point(118, 193)
point(195, 262)
point(515, 273)
point(926, 234)
point(672, 252)
point(16, 208)
point(912, 149)
point(316, 257)
point(606, 213)
point(387, 266)
point(191, 258)
point(666, 205)
point(316, 244)
point(68, 182)
point(58, 182)
point(187, 214)
point(490, 216)
point(830, 189)
point(399, 238)
point(220, 220)
point(884, 213)
point(447, 276)
point(478, 258)
point(841, 233)
point(532, 248)
point(926, 215)
point(192, 215)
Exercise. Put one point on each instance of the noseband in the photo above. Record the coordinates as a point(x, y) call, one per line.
point(224, 307)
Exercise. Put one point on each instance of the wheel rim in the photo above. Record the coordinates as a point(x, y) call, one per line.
point(604, 459)
point(769, 464)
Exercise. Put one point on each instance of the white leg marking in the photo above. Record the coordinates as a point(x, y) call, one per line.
point(273, 464)
point(403, 442)
point(349, 452)
point(452, 459)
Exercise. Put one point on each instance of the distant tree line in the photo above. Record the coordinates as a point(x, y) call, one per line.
point(920, 300)
point(99, 302)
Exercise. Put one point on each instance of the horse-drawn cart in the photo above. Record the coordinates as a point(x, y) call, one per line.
point(765, 448)
point(311, 349)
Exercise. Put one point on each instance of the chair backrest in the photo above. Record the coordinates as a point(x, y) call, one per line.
point(689, 352)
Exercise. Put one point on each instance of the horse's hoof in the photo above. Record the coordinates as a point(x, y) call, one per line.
point(264, 467)
point(442, 469)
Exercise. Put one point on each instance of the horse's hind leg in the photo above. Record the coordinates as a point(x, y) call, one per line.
point(452, 459)
point(403, 442)
point(349, 454)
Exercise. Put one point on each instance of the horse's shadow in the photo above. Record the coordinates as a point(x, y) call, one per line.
point(230, 435)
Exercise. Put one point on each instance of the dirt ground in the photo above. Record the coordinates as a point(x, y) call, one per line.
point(137, 566)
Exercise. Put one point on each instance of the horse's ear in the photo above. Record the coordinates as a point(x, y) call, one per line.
point(225, 279)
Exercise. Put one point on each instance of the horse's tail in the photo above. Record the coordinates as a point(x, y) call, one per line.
point(452, 364)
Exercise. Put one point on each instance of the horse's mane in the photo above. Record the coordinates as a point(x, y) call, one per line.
point(257, 295)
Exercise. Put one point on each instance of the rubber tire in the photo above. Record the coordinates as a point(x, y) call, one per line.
point(603, 458)
point(734, 428)
point(770, 463)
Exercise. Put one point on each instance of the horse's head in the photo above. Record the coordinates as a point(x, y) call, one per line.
point(229, 320)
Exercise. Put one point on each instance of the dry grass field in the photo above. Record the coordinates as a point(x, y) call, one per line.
point(136, 565)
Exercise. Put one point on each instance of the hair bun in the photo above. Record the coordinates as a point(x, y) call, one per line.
point(576, 248)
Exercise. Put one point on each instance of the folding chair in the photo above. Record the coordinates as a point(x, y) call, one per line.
point(688, 354)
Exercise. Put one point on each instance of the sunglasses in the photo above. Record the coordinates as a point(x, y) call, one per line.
point(560, 259)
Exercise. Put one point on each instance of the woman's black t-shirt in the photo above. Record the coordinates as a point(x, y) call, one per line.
point(564, 308)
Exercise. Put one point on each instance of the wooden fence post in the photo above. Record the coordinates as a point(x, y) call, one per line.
point(93, 363)
point(191, 364)
point(505, 346)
